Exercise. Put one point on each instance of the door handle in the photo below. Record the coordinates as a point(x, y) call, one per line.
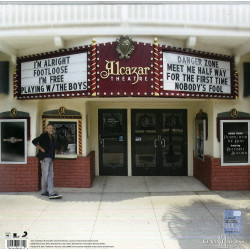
point(155, 141)
point(163, 143)
point(102, 143)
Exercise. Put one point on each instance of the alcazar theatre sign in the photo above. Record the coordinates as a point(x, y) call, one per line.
point(125, 68)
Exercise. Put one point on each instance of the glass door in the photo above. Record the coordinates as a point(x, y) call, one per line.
point(159, 142)
point(144, 142)
point(173, 150)
point(112, 126)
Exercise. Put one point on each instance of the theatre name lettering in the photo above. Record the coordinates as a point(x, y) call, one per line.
point(58, 74)
point(195, 74)
point(118, 73)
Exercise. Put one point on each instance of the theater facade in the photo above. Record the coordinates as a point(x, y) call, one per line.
point(126, 106)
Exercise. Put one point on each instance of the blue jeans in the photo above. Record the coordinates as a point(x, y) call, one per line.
point(47, 175)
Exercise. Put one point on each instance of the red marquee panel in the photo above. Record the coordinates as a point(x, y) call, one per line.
point(125, 77)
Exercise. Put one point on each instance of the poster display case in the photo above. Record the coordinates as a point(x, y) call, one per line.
point(235, 142)
point(67, 131)
point(13, 145)
point(200, 132)
point(65, 134)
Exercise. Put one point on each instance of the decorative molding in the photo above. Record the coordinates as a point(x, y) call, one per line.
point(61, 112)
point(93, 68)
point(124, 47)
point(156, 68)
point(80, 136)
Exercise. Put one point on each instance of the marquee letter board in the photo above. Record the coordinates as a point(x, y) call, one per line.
point(63, 73)
point(196, 74)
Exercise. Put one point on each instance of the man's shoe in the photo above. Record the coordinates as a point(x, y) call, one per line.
point(45, 193)
point(55, 196)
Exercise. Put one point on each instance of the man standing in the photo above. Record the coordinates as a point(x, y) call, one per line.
point(46, 154)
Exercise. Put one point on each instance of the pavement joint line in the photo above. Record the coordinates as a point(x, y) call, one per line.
point(144, 178)
point(197, 193)
point(98, 210)
point(38, 217)
point(104, 184)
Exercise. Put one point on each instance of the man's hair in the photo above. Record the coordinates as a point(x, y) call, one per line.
point(50, 124)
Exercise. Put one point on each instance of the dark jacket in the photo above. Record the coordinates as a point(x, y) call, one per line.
point(43, 141)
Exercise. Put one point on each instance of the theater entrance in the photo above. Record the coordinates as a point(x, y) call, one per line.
point(159, 142)
point(112, 127)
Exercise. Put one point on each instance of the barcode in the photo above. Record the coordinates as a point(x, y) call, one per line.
point(16, 244)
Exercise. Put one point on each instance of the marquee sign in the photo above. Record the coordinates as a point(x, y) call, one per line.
point(121, 76)
point(197, 74)
point(126, 68)
point(62, 73)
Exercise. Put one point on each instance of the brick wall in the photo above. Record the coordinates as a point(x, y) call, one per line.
point(19, 177)
point(75, 173)
point(78, 173)
point(202, 172)
point(217, 177)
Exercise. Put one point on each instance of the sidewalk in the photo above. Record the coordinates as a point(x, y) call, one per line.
point(127, 212)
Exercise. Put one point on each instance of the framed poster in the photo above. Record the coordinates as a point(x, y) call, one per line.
point(67, 131)
point(66, 138)
point(235, 142)
point(13, 145)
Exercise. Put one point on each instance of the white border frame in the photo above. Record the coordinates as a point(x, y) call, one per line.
point(25, 140)
point(222, 144)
